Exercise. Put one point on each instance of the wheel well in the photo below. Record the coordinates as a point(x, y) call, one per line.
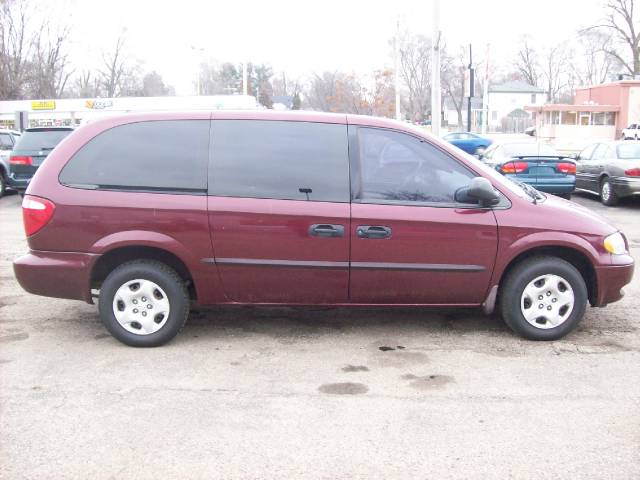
point(579, 260)
point(113, 258)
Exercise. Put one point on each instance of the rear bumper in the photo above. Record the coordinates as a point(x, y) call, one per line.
point(626, 187)
point(19, 183)
point(56, 274)
point(611, 279)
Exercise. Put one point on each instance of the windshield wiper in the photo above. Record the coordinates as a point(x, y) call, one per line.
point(529, 190)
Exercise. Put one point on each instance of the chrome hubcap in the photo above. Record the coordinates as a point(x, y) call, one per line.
point(141, 306)
point(547, 301)
point(606, 191)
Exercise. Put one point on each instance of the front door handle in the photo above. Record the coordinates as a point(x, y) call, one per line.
point(326, 230)
point(373, 231)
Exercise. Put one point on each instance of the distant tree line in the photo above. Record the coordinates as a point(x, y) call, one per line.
point(34, 63)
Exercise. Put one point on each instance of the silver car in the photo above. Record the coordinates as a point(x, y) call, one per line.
point(8, 139)
point(610, 169)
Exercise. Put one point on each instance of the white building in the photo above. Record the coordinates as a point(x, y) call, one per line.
point(73, 111)
point(506, 104)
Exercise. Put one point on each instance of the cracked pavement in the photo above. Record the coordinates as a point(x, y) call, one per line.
point(310, 393)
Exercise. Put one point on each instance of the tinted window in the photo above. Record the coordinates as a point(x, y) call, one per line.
point(157, 155)
point(400, 168)
point(41, 139)
point(281, 160)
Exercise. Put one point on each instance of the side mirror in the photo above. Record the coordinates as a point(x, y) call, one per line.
point(478, 191)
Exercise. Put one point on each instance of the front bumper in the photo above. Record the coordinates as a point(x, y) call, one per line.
point(612, 278)
point(56, 274)
point(625, 186)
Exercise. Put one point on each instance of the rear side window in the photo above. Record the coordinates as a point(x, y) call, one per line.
point(280, 160)
point(167, 155)
point(6, 142)
point(41, 139)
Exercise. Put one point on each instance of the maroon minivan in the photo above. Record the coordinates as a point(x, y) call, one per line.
point(151, 213)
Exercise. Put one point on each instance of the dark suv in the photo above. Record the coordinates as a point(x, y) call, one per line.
point(151, 213)
point(30, 151)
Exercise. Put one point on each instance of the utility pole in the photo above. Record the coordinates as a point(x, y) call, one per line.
point(471, 90)
point(435, 71)
point(485, 95)
point(397, 69)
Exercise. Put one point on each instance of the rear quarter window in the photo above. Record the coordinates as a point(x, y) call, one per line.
point(164, 155)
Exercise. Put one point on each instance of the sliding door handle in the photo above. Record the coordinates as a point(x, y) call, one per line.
point(373, 231)
point(326, 230)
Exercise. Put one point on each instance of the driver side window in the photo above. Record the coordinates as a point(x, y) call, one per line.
point(399, 168)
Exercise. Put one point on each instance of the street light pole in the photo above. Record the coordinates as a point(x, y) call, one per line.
point(435, 71)
point(471, 90)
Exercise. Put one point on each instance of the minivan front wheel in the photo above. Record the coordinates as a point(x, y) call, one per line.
point(144, 303)
point(543, 298)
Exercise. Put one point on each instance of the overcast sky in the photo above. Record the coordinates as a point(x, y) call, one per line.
point(301, 37)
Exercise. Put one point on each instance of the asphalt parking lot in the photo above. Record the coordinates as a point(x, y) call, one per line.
point(323, 393)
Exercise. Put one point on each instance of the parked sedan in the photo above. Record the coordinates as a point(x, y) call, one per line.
point(8, 138)
point(30, 151)
point(536, 164)
point(610, 169)
point(469, 142)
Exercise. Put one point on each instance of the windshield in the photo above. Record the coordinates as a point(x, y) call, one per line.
point(41, 139)
point(529, 149)
point(628, 151)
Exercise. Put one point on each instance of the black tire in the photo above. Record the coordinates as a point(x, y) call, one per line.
point(167, 279)
point(512, 289)
point(611, 199)
point(566, 196)
point(3, 184)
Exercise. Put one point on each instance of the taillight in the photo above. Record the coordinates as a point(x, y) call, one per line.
point(36, 213)
point(21, 160)
point(633, 172)
point(514, 167)
point(566, 167)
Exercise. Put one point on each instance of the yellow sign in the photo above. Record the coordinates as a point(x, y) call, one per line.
point(43, 105)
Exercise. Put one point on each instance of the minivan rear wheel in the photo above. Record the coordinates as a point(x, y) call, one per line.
point(144, 303)
point(543, 298)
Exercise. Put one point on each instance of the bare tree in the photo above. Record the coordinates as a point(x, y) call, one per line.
point(452, 78)
point(15, 48)
point(86, 85)
point(594, 64)
point(49, 71)
point(337, 92)
point(415, 71)
point(555, 70)
point(527, 63)
point(113, 69)
point(621, 21)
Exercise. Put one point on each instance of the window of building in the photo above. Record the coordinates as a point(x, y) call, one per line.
point(166, 155)
point(279, 160)
point(555, 117)
point(399, 168)
point(494, 115)
point(533, 98)
point(569, 118)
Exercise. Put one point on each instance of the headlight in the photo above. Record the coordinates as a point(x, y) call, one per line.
point(615, 244)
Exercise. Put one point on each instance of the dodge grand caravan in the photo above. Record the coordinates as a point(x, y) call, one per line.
point(151, 213)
